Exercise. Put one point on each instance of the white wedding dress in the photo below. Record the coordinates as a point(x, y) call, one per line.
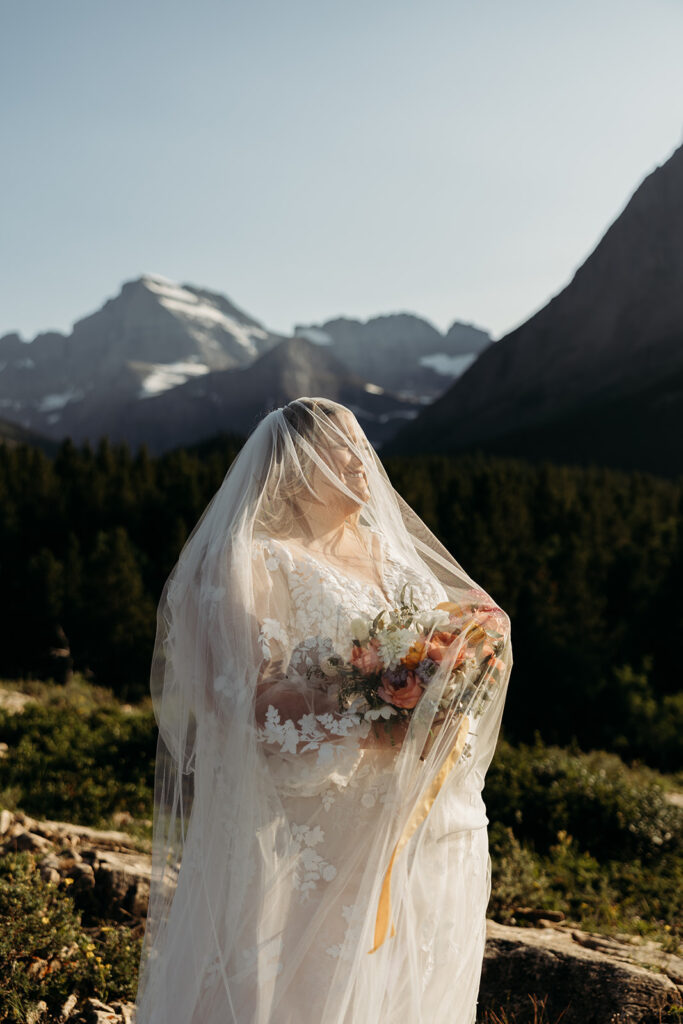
point(306, 870)
point(291, 960)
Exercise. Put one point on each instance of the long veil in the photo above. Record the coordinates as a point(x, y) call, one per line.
point(249, 729)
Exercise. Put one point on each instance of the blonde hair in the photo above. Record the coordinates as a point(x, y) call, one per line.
point(286, 478)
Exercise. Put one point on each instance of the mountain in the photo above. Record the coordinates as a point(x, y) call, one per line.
point(153, 336)
point(400, 352)
point(156, 338)
point(11, 434)
point(596, 374)
point(232, 401)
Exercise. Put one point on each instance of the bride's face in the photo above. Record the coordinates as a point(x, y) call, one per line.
point(342, 458)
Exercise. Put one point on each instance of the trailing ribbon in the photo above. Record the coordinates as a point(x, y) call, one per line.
point(421, 811)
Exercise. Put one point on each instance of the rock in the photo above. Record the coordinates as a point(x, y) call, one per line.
point(101, 838)
point(635, 949)
point(14, 701)
point(126, 1012)
point(68, 1006)
point(97, 1012)
point(50, 868)
point(82, 872)
point(35, 1015)
point(122, 880)
point(104, 869)
point(588, 979)
point(21, 840)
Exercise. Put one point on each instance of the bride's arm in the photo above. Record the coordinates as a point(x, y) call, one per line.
point(293, 713)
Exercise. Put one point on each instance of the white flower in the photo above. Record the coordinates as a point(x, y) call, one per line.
point(394, 645)
point(221, 684)
point(433, 619)
point(360, 630)
point(385, 712)
point(328, 666)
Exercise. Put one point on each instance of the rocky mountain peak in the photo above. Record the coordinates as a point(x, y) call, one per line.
point(614, 330)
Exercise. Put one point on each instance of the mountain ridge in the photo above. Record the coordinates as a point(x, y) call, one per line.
point(614, 329)
point(156, 335)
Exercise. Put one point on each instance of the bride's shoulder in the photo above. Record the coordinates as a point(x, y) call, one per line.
point(272, 549)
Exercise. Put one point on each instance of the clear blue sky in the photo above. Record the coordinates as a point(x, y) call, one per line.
point(313, 159)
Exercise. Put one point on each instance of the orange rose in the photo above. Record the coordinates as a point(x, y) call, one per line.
point(401, 694)
point(439, 644)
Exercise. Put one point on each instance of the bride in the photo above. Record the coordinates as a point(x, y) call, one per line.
point(320, 851)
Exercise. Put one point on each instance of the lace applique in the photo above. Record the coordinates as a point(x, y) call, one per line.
point(310, 734)
point(271, 629)
point(344, 950)
point(328, 798)
point(323, 603)
point(310, 866)
point(265, 957)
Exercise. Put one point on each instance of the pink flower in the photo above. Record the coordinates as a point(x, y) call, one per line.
point(401, 694)
point(366, 659)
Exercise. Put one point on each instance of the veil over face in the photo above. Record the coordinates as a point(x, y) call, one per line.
point(295, 832)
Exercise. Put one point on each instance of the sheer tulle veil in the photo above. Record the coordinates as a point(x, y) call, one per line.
point(224, 842)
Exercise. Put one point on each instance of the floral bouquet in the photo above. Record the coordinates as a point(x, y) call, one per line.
point(394, 656)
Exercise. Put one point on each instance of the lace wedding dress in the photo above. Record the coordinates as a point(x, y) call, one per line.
point(295, 806)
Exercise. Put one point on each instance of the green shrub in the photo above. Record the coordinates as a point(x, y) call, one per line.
point(612, 811)
point(585, 835)
point(81, 766)
point(46, 954)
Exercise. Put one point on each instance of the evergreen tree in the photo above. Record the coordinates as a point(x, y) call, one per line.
point(118, 616)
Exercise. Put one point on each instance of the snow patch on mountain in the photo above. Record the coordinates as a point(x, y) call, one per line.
point(57, 400)
point(314, 334)
point(201, 315)
point(448, 366)
point(168, 375)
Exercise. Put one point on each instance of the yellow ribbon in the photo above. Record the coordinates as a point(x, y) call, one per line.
point(421, 811)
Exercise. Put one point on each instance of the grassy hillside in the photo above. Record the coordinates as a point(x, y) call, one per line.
point(577, 833)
